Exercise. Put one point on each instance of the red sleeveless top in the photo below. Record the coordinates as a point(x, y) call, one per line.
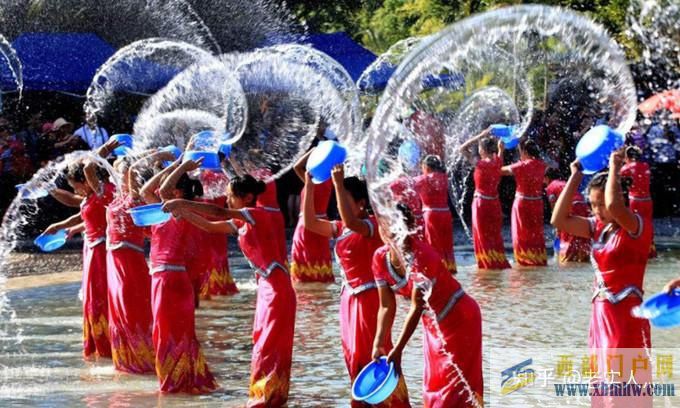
point(255, 239)
point(529, 177)
point(322, 195)
point(621, 259)
point(120, 226)
point(487, 176)
point(426, 262)
point(433, 190)
point(169, 242)
point(355, 251)
point(93, 212)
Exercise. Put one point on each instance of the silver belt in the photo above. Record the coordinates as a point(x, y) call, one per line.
point(271, 209)
point(435, 209)
point(123, 244)
point(449, 305)
point(529, 198)
point(167, 268)
point(640, 198)
point(614, 298)
point(94, 243)
point(359, 288)
point(266, 272)
point(485, 197)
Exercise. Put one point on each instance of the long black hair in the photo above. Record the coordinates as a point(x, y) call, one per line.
point(241, 186)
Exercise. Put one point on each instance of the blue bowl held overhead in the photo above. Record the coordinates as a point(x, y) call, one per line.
point(175, 152)
point(409, 154)
point(125, 141)
point(211, 161)
point(51, 242)
point(205, 140)
point(326, 155)
point(507, 133)
point(595, 147)
point(147, 215)
point(376, 382)
point(225, 149)
point(662, 309)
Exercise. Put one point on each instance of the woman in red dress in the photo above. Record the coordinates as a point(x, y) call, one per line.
point(356, 239)
point(621, 239)
point(269, 201)
point(433, 189)
point(403, 190)
point(85, 181)
point(487, 217)
point(639, 196)
point(528, 240)
point(129, 282)
point(274, 325)
point(311, 252)
point(216, 280)
point(180, 364)
point(452, 323)
point(571, 248)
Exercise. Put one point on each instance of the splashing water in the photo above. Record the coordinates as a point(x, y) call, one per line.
point(19, 221)
point(484, 107)
point(290, 90)
point(522, 51)
point(13, 64)
point(207, 90)
point(653, 25)
point(142, 67)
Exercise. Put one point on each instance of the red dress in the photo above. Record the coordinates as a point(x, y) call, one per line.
point(215, 278)
point(274, 325)
point(359, 301)
point(433, 190)
point(269, 201)
point(404, 192)
point(129, 283)
point(572, 249)
point(639, 197)
point(487, 217)
point(180, 364)
point(311, 253)
point(527, 226)
point(95, 289)
point(460, 322)
point(620, 259)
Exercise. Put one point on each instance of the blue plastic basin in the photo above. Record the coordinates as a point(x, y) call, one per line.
point(595, 147)
point(326, 155)
point(211, 161)
point(175, 152)
point(376, 382)
point(662, 309)
point(204, 140)
point(507, 133)
point(146, 215)
point(50, 242)
point(225, 149)
point(409, 154)
point(125, 141)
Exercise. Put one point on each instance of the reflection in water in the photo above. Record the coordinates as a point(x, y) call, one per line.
point(528, 308)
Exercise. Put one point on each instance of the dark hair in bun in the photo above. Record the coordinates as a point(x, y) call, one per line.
point(241, 186)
